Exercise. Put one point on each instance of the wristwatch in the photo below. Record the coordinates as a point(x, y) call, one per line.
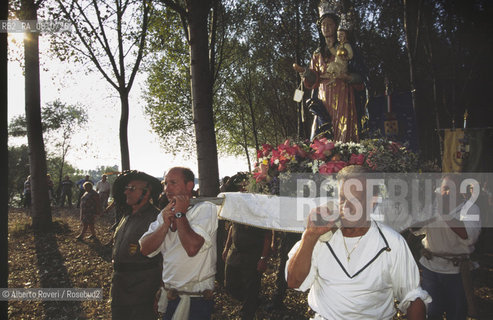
point(178, 215)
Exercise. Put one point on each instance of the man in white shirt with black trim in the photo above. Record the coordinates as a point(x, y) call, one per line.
point(186, 237)
point(362, 268)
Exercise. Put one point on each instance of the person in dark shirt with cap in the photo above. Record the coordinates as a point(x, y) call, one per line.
point(136, 278)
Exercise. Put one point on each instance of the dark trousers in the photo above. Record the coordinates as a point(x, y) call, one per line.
point(27, 200)
point(132, 312)
point(103, 196)
point(67, 195)
point(200, 308)
point(447, 293)
point(287, 241)
point(243, 282)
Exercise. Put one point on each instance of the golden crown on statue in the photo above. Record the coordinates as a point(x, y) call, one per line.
point(328, 7)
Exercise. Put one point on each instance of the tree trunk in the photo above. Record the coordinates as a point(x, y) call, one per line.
point(60, 170)
point(248, 94)
point(410, 25)
point(245, 136)
point(41, 210)
point(202, 97)
point(124, 130)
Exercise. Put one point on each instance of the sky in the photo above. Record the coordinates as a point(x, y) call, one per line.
point(72, 85)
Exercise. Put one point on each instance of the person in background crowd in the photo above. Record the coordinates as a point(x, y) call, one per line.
point(80, 184)
point(245, 253)
point(67, 185)
point(103, 189)
point(90, 207)
point(27, 193)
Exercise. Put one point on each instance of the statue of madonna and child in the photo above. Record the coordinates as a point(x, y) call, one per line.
point(337, 77)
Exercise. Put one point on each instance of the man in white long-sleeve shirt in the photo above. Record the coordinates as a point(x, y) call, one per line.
point(186, 237)
point(358, 272)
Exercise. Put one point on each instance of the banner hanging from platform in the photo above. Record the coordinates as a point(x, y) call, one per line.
point(468, 150)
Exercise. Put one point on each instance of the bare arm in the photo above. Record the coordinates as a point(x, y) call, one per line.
point(153, 241)
point(416, 310)
point(262, 263)
point(191, 241)
point(300, 263)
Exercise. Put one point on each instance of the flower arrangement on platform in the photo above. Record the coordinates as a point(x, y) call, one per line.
point(327, 157)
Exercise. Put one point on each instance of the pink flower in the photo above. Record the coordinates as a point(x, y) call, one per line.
point(276, 154)
point(262, 173)
point(358, 159)
point(286, 147)
point(322, 147)
point(331, 167)
point(300, 152)
point(266, 149)
point(282, 166)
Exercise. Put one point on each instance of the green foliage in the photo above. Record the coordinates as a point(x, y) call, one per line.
point(18, 126)
point(61, 121)
point(167, 93)
point(253, 78)
point(56, 117)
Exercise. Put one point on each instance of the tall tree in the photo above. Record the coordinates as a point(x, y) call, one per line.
point(253, 80)
point(107, 33)
point(41, 210)
point(194, 15)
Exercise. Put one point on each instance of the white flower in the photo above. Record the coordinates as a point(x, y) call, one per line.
point(276, 161)
point(315, 165)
